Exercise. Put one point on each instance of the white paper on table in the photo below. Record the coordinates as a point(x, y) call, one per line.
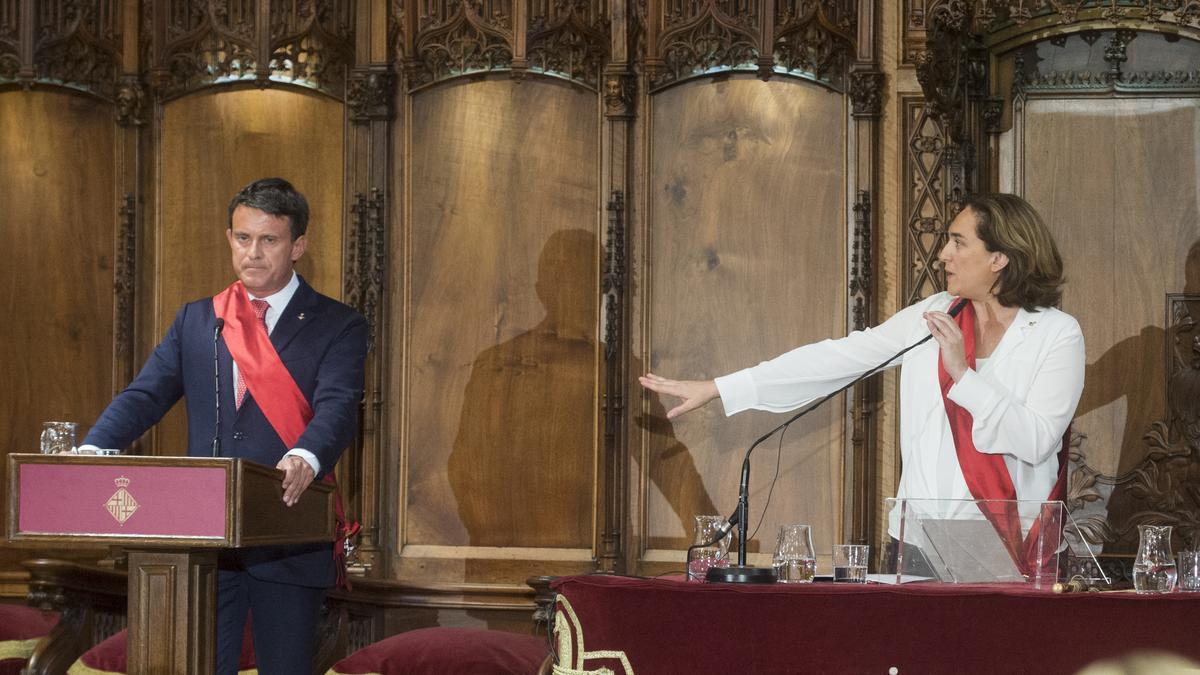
point(891, 578)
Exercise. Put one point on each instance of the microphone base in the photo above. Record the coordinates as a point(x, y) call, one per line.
point(741, 574)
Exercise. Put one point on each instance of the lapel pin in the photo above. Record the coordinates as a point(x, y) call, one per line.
point(301, 316)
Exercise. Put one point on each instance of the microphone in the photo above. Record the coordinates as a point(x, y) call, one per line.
point(216, 444)
point(741, 573)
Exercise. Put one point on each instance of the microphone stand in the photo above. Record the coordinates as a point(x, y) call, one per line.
point(741, 573)
point(216, 444)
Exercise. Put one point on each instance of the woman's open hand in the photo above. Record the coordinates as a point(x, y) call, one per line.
point(694, 393)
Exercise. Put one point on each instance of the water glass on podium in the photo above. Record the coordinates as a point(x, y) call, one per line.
point(850, 563)
point(58, 437)
point(704, 557)
point(795, 560)
point(1189, 570)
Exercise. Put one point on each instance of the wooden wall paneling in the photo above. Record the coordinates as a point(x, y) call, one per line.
point(210, 145)
point(500, 369)
point(1117, 276)
point(59, 218)
point(744, 259)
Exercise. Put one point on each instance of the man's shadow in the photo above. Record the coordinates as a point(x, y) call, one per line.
point(522, 469)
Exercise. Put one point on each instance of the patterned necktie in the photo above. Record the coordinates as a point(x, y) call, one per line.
point(260, 310)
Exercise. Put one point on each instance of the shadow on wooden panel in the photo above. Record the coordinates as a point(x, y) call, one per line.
point(521, 410)
point(746, 253)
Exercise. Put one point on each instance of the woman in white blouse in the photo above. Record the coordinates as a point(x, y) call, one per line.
point(983, 410)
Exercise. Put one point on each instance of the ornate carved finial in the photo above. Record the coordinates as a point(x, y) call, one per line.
point(866, 93)
point(619, 91)
point(131, 102)
point(1116, 53)
point(369, 94)
point(992, 112)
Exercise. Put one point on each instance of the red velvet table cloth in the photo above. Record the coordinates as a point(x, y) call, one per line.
point(650, 626)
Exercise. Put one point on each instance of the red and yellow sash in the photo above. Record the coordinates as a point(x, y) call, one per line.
point(275, 392)
point(986, 474)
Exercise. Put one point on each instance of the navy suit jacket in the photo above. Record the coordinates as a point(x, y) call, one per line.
point(323, 344)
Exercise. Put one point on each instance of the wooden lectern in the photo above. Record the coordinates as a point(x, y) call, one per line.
point(172, 514)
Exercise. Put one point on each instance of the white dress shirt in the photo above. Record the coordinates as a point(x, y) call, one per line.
point(1021, 398)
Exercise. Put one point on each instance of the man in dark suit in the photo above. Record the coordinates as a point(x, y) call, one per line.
point(316, 343)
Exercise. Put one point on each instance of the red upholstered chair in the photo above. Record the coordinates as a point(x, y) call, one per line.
point(109, 657)
point(437, 651)
point(20, 629)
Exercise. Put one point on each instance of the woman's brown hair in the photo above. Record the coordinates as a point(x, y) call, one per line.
point(1007, 224)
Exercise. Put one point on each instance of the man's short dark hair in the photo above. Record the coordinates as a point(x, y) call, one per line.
point(277, 197)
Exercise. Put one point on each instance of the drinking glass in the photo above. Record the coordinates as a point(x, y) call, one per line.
point(1154, 567)
point(795, 562)
point(704, 557)
point(58, 437)
point(850, 563)
point(1189, 570)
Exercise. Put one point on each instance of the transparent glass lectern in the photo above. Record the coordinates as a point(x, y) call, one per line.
point(978, 541)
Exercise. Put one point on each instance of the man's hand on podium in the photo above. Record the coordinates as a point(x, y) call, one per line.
point(297, 475)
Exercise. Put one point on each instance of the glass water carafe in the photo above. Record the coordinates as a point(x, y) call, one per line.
point(1154, 567)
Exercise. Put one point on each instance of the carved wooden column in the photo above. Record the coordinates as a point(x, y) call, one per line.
point(619, 90)
point(370, 92)
point(132, 116)
point(865, 88)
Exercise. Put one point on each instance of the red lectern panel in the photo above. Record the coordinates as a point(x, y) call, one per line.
point(101, 500)
point(127, 500)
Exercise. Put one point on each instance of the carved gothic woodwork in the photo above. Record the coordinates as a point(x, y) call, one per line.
point(925, 211)
point(568, 38)
point(366, 258)
point(369, 94)
point(73, 44)
point(613, 286)
point(441, 39)
point(189, 44)
point(620, 89)
point(866, 93)
point(126, 276)
point(813, 38)
point(1031, 78)
point(860, 260)
point(1002, 18)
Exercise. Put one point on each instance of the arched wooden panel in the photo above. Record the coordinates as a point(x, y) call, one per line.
point(1117, 275)
point(746, 258)
point(59, 218)
point(500, 328)
point(214, 143)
